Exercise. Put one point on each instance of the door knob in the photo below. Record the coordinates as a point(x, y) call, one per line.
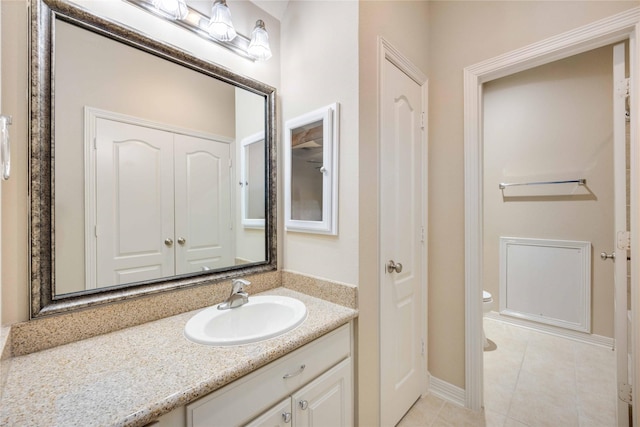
point(168, 241)
point(182, 240)
point(286, 417)
point(393, 266)
point(303, 404)
point(605, 257)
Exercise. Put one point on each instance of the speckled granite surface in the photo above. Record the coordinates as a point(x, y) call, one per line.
point(132, 376)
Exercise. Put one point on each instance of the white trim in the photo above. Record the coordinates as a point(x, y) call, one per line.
point(592, 339)
point(387, 52)
point(330, 116)
point(600, 33)
point(446, 391)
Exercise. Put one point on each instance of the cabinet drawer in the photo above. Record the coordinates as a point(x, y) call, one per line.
point(252, 394)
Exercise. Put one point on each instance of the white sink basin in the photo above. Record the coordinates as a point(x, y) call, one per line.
point(263, 317)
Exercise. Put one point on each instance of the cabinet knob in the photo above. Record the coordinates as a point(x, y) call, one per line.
point(182, 240)
point(286, 417)
point(168, 241)
point(303, 404)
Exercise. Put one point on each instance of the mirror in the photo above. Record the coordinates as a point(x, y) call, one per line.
point(310, 171)
point(134, 169)
point(252, 180)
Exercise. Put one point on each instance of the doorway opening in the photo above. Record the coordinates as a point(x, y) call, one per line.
point(605, 32)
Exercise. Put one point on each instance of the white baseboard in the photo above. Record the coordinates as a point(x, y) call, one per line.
point(554, 330)
point(446, 391)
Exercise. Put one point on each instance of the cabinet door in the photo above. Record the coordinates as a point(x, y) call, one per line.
point(327, 401)
point(278, 416)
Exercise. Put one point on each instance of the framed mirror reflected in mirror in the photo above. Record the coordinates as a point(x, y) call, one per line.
point(311, 171)
point(135, 158)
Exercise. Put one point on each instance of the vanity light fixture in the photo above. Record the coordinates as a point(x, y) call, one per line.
point(172, 9)
point(216, 28)
point(259, 45)
point(220, 25)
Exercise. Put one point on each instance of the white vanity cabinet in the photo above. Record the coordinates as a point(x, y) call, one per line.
point(313, 385)
point(326, 401)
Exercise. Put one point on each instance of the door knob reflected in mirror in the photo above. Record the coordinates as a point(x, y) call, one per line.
point(393, 266)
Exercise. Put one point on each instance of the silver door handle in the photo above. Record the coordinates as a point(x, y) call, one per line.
point(303, 405)
point(605, 257)
point(168, 241)
point(393, 266)
point(182, 240)
point(286, 417)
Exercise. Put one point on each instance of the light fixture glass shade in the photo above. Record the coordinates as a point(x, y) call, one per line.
point(259, 45)
point(174, 9)
point(220, 25)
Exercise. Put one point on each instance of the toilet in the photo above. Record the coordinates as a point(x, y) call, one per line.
point(487, 302)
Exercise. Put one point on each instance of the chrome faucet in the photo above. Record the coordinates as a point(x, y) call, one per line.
point(237, 297)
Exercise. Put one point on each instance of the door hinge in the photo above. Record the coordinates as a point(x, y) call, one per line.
point(423, 349)
point(624, 240)
point(622, 88)
point(95, 143)
point(625, 393)
point(422, 119)
point(422, 234)
point(230, 163)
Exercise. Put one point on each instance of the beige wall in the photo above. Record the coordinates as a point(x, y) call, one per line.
point(405, 25)
point(15, 213)
point(320, 67)
point(553, 122)
point(461, 34)
point(15, 60)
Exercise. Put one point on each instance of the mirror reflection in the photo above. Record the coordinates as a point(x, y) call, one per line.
point(307, 172)
point(146, 166)
point(252, 180)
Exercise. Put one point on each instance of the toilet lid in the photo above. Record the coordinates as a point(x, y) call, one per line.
point(486, 296)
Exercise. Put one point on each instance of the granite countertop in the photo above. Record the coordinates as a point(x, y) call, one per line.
point(132, 376)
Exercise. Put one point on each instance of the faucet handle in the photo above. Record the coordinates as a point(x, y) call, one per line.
point(237, 285)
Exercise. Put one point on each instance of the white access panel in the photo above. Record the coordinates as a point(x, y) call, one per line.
point(547, 281)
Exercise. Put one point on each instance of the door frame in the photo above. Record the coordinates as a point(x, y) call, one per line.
point(619, 27)
point(387, 52)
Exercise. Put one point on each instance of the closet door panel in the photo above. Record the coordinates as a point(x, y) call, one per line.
point(134, 215)
point(204, 233)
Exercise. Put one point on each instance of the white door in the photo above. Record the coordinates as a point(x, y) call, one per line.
point(621, 240)
point(402, 315)
point(134, 215)
point(203, 204)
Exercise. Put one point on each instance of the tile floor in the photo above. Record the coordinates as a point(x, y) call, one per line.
point(532, 379)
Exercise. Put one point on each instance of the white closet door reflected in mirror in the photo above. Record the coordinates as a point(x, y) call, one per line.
point(252, 180)
point(311, 171)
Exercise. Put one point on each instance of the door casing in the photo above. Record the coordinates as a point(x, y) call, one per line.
point(619, 27)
